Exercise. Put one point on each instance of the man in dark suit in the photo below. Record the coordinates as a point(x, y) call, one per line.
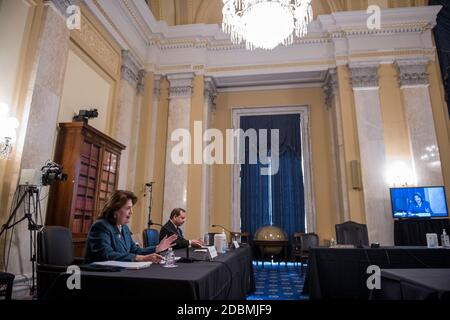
point(177, 219)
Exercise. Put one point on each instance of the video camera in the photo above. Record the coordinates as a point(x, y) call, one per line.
point(50, 172)
point(85, 115)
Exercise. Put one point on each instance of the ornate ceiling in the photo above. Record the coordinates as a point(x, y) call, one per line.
point(179, 12)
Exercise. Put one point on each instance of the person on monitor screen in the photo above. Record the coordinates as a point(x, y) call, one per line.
point(419, 207)
point(110, 238)
point(176, 220)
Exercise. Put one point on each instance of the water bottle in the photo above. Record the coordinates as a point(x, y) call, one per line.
point(206, 239)
point(445, 242)
point(332, 242)
point(225, 245)
point(170, 259)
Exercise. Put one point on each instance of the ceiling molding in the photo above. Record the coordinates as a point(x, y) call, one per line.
point(333, 39)
point(270, 81)
point(270, 87)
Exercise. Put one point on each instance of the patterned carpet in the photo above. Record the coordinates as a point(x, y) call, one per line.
point(275, 282)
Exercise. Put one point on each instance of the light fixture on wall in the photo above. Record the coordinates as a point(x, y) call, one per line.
point(266, 23)
point(8, 126)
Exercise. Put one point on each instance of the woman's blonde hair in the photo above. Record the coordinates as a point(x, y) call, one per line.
point(117, 200)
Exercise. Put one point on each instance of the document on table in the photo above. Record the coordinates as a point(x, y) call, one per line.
point(124, 264)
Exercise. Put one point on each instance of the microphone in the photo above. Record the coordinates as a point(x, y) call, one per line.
point(149, 184)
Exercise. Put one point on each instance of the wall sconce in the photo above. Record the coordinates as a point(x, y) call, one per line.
point(355, 170)
point(8, 126)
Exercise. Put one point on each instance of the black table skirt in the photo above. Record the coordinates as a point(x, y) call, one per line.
point(229, 277)
point(411, 232)
point(413, 284)
point(341, 273)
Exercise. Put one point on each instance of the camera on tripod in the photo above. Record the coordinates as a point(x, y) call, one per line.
point(50, 172)
point(27, 197)
point(85, 115)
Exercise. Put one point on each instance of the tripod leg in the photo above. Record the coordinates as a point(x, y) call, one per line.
point(13, 214)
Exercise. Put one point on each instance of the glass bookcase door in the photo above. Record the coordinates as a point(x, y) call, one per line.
point(108, 177)
point(83, 215)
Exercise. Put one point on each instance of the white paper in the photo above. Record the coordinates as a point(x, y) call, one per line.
point(212, 252)
point(123, 264)
point(432, 240)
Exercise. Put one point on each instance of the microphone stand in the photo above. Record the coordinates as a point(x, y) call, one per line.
point(187, 259)
point(149, 187)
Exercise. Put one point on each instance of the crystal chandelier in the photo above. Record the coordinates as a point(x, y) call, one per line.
point(266, 23)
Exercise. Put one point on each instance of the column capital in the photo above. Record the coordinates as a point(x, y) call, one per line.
point(364, 75)
point(181, 85)
point(156, 85)
point(140, 87)
point(331, 86)
point(210, 89)
point(412, 72)
point(130, 69)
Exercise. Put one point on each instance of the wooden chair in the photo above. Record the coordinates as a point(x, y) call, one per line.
point(296, 247)
point(245, 237)
point(308, 241)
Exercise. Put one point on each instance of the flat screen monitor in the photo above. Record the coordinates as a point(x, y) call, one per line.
point(419, 202)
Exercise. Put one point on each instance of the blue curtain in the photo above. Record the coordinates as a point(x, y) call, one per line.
point(288, 201)
point(442, 37)
point(288, 126)
point(254, 198)
point(287, 198)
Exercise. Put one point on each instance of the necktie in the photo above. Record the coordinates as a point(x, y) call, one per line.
point(180, 233)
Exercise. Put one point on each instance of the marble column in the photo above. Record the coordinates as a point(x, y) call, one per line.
point(333, 105)
point(40, 116)
point(154, 125)
point(413, 80)
point(372, 152)
point(176, 175)
point(148, 145)
point(207, 170)
point(134, 145)
point(126, 121)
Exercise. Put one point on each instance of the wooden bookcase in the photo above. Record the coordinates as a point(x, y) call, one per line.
point(91, 161)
